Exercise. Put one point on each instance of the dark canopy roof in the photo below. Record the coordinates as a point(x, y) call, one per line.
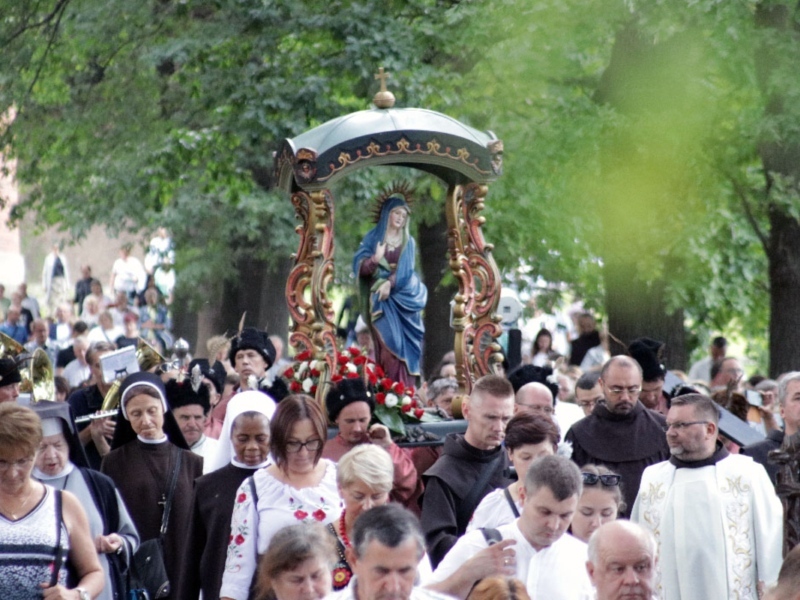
point(411, 137)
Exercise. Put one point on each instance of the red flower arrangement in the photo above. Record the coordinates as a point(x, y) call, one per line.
point(395, 404)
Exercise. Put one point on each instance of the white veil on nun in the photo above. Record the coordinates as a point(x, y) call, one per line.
point(249, 401)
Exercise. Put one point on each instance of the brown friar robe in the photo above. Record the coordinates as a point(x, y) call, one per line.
point(141, 472)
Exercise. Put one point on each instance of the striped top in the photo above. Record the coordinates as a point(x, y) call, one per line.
point(28, 550)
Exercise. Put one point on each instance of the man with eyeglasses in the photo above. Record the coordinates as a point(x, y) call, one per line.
point(620, 433)
point(715, 515)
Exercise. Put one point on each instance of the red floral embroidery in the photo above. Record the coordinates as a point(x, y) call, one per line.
point(239, 540)
point(341, 577)
point(241, 497)
point(300, 514)
point(319, 514)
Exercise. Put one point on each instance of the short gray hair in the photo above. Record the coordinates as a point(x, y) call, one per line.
point(369, 464)
point(559, 474)
point(628, 526)
point(783, 385)
point(440, 386)
point(390, 525)
point(703, 406)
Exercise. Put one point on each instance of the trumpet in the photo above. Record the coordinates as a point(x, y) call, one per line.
point(98, 415)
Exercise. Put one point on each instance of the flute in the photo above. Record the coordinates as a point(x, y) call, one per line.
point(98, 415)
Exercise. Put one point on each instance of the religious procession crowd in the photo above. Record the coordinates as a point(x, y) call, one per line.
point(604, 487)
point(607, 478)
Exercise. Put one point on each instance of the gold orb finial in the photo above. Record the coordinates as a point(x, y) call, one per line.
point(384, 98)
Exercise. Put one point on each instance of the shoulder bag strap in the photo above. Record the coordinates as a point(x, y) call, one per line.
point(511, 503)
point(59, 561)
point(171, 492)
point(468, 504)
point(253, 490)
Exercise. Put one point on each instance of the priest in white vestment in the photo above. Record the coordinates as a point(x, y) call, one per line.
point(715, 516)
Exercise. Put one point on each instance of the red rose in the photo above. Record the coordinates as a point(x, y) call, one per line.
point(295, 387)
point(386, 383)
point(336, 378)
point(411, 391)
point(360, 359)
point(319, 514)
point(379, 371)
point(418, 413)
point(300, 514)
point(314, 373)
point(414, 403)
point(239, 539)
point(406, 408)
point(288, 373)
point(313, 389)
point(353, 375)
point(380, 398)
point(354, 351)
point(398, 388)
point(343, 359)
point(373, 379)
point(303, 356)
point(241, 497)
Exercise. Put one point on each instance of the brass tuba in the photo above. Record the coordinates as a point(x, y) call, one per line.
point(40, 377)
point(9, 347)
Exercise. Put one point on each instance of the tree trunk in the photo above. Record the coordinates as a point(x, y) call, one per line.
point(259, 290)
point(439, 337)
point(780, 158)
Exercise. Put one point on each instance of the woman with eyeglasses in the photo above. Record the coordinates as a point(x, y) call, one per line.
point(300, 486)
point(42, 529)
point(528, 436)
point(600, 502)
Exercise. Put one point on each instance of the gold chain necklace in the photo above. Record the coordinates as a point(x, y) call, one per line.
point(22, 506)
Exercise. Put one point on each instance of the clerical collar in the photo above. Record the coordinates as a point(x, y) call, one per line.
point(68, 468)
point(241, 465)
point(719, 454)
point(152, 442)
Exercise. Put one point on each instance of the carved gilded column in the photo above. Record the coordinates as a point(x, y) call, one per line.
point(475, 321)
point(310, 308)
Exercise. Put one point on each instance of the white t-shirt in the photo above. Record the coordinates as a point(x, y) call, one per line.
point(557, 572)
point(493, 511)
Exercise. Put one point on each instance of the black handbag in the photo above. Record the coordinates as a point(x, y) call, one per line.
point(148, 571)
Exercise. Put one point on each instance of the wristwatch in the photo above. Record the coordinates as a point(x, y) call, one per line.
point(83, 594)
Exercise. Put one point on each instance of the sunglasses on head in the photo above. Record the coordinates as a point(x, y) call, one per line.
point(606, 480)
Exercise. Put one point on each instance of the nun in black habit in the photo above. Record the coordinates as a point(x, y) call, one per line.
point(243, 449)
point(147, 448)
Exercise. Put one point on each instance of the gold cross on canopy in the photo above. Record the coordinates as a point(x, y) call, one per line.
point(383, 77)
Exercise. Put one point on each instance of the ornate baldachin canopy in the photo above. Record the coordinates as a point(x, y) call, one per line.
point(465, 158)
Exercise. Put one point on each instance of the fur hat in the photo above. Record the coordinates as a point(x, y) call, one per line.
point(182, 394)
point(253, 339)
point(214, 373)
point(530, 374)
point(9, 372)
point(346, 392)
point(647, 352)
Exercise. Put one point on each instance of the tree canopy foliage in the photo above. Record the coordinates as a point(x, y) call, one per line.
point(641, 137)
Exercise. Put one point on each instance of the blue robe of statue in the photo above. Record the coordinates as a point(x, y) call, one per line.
point(395, 323)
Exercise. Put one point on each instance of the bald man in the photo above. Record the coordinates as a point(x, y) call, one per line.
point(621, 433)
point(622, 561)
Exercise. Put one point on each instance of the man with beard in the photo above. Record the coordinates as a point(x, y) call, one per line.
point(620, 433)
point(622, 561)
point(716, 518)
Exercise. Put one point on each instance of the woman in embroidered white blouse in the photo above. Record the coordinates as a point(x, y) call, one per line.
point(300, 486)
